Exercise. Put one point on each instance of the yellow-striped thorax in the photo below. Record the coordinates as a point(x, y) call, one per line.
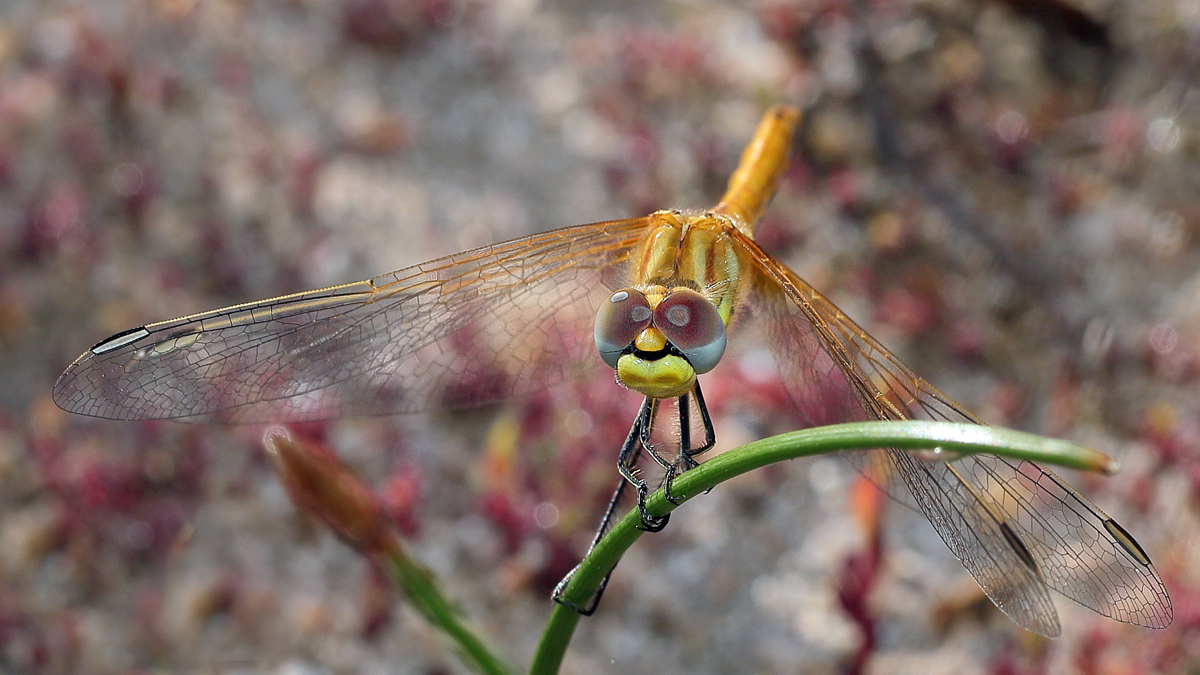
point(669, 324)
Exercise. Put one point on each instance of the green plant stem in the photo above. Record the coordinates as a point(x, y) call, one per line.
point(908, 435)
point(421, 589)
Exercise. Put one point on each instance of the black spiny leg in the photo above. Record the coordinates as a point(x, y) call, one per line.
point(626, 464)
point(590, 607)
point(646, 432)
point(686, 451)
point(710, 434)
point(639, 438)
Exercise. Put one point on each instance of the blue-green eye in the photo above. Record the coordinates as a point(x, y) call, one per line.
point(625, 314)
point(692, 324)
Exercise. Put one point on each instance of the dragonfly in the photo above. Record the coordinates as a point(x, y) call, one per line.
point(654, 298)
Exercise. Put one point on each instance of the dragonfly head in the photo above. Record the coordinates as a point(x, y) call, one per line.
point(659, 341)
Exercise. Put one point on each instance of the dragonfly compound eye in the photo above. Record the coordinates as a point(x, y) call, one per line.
point(693, 325)
point(625, 314)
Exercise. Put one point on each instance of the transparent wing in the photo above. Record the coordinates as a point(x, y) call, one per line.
point(1015, 526)
point(466, 329)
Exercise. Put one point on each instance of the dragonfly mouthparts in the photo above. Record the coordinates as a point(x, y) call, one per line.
point(656, 354)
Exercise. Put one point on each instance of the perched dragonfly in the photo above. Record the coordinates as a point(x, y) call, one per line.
point(654, 296)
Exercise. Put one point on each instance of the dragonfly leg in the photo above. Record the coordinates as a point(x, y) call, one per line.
point(627, 464)
point(651, 449)
point(590, 607)
point(685, 461)
point(637, 439)
point(710, 434)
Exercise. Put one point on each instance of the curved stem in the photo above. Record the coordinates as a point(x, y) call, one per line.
point(907, 435)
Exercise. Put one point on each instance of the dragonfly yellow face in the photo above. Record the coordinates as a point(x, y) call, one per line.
point(654, 295)
point(670, 326)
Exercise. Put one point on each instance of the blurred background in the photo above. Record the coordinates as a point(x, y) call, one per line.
point(1004, 192)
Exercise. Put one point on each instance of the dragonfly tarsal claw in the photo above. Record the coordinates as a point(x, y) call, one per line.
point(670, 497)
point(670, 479)
point(587, 609)
point(650, 523)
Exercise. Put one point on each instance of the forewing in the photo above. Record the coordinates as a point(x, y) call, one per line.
point(1079, 550)
point(462, 330)
point(1015, 526)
